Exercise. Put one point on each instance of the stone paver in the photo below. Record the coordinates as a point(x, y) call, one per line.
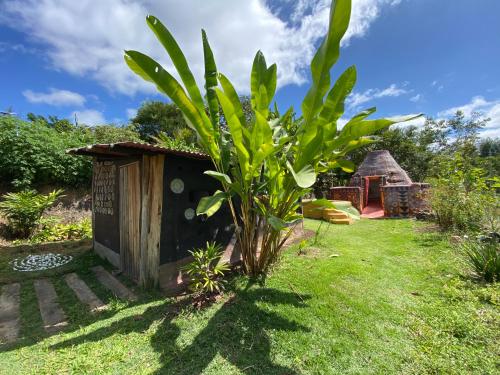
point(54, 318)
point(115, 286)
point(9, 313)
point(83, 292)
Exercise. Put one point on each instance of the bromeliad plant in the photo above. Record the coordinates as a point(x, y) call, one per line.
point(270, 161)
point(206, 271)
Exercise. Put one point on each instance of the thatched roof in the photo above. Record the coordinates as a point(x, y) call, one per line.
point(381, 163)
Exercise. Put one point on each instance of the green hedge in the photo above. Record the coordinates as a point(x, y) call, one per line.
point(34, 154)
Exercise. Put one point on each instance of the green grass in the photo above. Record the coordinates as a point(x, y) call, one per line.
point(377, 297)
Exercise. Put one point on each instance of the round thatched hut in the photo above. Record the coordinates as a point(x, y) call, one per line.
point(380, 187)
point(381, 163)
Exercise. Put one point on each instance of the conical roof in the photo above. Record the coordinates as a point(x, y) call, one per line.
point(381, 163)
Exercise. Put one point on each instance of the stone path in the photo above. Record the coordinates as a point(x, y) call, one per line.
point(54, 318)
point(83, 292)
point(9, 313)
point(110, 282)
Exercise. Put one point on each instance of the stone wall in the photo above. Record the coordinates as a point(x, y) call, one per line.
point(405, 200)
point(352, 194)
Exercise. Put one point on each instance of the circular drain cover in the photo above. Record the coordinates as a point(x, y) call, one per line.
point(40, 262)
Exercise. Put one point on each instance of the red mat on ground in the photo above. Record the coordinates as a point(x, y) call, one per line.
point(373, 211)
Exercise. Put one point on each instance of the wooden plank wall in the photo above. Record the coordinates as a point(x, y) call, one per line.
point(130, 213)
point(151, 209)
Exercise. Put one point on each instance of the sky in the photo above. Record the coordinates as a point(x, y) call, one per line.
point(65, 57)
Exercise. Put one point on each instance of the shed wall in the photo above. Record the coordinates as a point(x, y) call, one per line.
point(178, 233)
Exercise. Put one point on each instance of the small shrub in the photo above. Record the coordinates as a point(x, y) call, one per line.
point(455, 209)
point(24, 210)
point(483, 255)
point(206, 270)
point(52, 231)
point(177, 143)
point(462, 199)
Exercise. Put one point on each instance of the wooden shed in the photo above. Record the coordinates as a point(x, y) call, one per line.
point(144, 201)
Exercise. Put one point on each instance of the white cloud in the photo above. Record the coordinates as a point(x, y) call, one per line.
point(416, 98)
point(55, 97)
point(87, 37)
point(489, 109)
point(131, 112)
point(89, 117)
point(418, 122)
point(437, 85)
point(356, 99)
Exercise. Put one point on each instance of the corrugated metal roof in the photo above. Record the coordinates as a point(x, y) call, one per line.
point(132, 148)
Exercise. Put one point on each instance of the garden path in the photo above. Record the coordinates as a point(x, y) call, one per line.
point(53, 316)
point(113, 284)
point(9, 312)
point(83, 292)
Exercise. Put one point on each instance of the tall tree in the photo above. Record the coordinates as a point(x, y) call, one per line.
point(155, 117)
point(54, 122)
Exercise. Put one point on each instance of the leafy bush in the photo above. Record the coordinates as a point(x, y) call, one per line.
point(180, 144)
point(462, 199)
point(34, 153)
point(455, 209)
point(484, 257)
point(51, 231)
point(24, 210)
point(206, 270)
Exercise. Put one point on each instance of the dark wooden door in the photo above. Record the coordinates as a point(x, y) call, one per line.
point(130, 214)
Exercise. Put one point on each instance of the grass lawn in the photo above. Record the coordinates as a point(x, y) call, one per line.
point(375, 297)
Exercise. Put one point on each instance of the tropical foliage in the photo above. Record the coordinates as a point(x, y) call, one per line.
point(269, 162)
point(33, 153)
point(50, 230)
point(206, 270)
point(483, 255)
point(463, 198)
point(24, 210)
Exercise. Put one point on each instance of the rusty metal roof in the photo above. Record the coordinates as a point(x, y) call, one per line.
point(121, 149)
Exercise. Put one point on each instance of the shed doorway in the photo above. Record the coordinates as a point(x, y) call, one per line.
point(130, 213)
point(373, 197)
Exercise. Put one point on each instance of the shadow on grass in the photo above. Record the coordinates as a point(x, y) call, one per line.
point(77, 313)
point(236, 332)
point(430, 239)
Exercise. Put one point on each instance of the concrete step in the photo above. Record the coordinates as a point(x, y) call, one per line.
point(53, 316)
point(336, 215)
point(341, 221)
point(9, 313)
point(111, 283)
point(84, 293)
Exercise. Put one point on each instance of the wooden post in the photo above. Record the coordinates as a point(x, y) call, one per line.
point(151, 209)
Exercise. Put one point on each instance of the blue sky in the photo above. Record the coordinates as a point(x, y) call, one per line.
point(58, 57)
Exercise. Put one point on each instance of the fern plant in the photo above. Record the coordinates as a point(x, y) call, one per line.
point(23, 210)
point(206, 271)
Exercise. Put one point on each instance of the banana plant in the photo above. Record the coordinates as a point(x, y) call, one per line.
point(270, 161)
